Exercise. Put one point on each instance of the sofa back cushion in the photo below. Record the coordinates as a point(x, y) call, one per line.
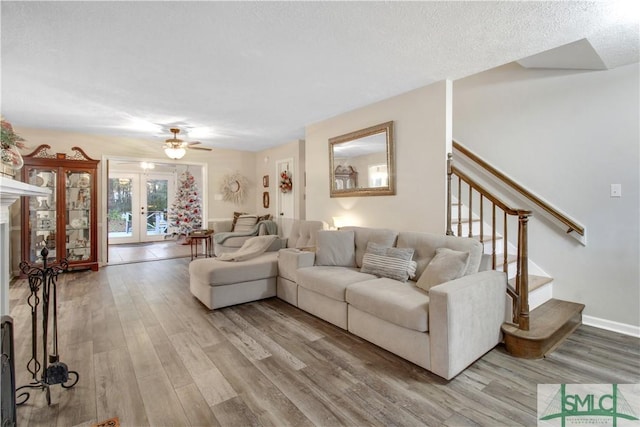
point(303, 234)
point(425, 245)
point(364, 235)
point(336, 248)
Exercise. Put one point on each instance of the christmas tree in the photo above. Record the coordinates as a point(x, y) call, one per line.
point(185, 213)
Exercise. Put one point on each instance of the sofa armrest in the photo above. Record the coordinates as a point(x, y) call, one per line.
point(221, 226)
point(465, 317)
point(290, 260)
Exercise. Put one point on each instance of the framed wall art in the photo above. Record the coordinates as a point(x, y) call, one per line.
point(265, 200)
point(265, 181)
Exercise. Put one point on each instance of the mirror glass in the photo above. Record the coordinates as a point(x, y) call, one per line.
point(361, 162)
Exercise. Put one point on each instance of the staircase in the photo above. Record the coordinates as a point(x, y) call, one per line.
point(538, 323)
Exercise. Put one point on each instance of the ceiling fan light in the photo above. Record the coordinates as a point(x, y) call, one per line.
point(175, 153)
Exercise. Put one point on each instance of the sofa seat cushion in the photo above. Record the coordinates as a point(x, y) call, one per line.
point(330, 281)
point(402, 304)
point(216, 272)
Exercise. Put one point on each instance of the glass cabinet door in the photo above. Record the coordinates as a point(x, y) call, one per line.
point(43, 215)
point(78, 218)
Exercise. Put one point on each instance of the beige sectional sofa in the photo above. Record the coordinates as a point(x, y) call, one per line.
point(443, 329)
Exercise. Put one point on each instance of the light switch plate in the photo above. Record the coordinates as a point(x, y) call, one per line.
point(616, 190)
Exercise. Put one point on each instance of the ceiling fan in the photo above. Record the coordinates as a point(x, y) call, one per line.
point(175, 148)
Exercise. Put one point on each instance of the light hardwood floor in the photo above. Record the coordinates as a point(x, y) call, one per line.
point(150, 354)
point(128, 253)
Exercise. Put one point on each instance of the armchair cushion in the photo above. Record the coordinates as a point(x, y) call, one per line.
point(245, 223)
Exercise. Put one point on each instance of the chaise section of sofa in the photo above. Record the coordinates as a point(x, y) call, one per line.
point(222, 283)
point(218, 283)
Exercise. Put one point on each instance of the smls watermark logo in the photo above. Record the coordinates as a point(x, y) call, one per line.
point(616, 405)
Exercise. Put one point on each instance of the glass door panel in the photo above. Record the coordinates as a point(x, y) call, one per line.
point(137, 206)
point(154, 204)
point(42, 215)
point(120, 208)
point(78, 218)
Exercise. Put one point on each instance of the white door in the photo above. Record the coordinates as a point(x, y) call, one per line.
point(285, 212)
point(137, 206)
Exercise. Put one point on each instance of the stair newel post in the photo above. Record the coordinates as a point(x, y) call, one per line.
point(522, 276)
point(449, 199)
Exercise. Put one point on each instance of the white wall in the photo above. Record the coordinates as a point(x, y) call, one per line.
point(567, 135)
point(420, 121)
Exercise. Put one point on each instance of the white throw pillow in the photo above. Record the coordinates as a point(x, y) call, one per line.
point(445, 266)
point(246, 223)
point(336, 248)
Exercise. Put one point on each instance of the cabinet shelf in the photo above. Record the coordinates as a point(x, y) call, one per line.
point(69, 204)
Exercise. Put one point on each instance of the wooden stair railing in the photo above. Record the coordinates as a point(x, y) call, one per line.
point(519, 294)
point(572, 225)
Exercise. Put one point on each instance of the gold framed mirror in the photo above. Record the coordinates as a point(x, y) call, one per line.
point(361, 163)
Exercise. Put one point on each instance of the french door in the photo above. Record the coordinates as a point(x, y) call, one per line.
point(137, 206)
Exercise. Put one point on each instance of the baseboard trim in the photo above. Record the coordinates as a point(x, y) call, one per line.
point(610, 325)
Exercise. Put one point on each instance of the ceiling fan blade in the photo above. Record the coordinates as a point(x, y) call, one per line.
point(194, 142)
point(199, 148)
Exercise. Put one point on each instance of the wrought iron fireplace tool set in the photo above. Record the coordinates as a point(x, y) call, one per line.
point(53, 371)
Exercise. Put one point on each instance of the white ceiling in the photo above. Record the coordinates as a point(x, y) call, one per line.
point(250, 75)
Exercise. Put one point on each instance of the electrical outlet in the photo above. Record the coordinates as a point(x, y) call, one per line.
point(616, 190)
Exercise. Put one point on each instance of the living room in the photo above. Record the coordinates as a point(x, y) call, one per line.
point(565, 134)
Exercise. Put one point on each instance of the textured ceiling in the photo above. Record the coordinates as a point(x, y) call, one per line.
point(250, 75)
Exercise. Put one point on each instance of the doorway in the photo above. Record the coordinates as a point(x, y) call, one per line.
point(285, 207)
point(137, 206)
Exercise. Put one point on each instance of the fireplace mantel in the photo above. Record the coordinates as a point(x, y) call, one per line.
point(10, 191)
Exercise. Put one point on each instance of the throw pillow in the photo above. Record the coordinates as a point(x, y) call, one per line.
point(336, 248)
point(246, 223)
point(266, 217)
point(236, 215)
point(394, 263)
point(445, 266)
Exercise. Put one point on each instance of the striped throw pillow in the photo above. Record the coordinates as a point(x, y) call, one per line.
point(246, 223)
point(394, 263)
point(236, 215)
